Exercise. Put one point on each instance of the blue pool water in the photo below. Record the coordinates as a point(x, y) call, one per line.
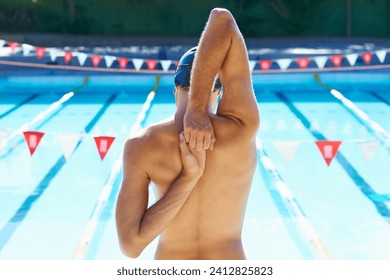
point(299, 208)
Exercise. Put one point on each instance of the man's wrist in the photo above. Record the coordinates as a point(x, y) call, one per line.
point(190, 178)
point(194, 105)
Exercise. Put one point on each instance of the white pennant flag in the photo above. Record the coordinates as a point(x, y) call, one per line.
point(27, 49)
point(368, 149)
point(68, 143)
point(381, 55)
point(53, 54)
point(109, 60)
point(138, 63)
point(2, 43)
point(352, 57)
point(252, 65)
point(286, 149)
point(165, 64)
point(284, 63)
point(82, 57)
point(321, 61)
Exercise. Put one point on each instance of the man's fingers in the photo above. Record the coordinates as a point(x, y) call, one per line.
point(199, 140)
point(206, 142)
point(209, 141)
point(187, 135)
point(182, 144)
point(192, 141)
point(212, 141)
point(199, 143)
point(212, 144)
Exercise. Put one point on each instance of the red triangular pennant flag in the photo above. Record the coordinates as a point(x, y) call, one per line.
point(103, 143)
point(96, 60)
point(151, 63)
point(123, 62)
point(40, 52)
point(68, 57)
point(303, 62)
point(13, 46)
point(265, 64)
point(32, 139)
point(336, 59)
point(367, 57)
point(328, 149)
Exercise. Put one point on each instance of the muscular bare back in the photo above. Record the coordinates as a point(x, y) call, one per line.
point(209, 224)
point(202, 178)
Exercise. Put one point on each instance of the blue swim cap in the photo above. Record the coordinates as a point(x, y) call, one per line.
point(183, 70)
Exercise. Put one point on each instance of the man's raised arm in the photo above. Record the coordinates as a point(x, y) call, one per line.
point(222, 52)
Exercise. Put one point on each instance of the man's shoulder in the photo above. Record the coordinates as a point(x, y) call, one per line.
point(138, 139)
point(146, 146)
point(145, 139)
point(137, 149)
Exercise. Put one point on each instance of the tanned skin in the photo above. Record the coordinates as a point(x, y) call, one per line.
point(200, 163)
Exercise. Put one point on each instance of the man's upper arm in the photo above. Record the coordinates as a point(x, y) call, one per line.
point(132, 200)
point(238, 100)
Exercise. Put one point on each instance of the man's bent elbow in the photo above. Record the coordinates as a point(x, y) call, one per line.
point(220, 11)
point(221, 15)
point(131, 249)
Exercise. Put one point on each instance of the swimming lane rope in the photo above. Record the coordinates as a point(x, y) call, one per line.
point(119, 70)
point(293, 206)
point(358, 113)
point(42, 115)
point(93, 222)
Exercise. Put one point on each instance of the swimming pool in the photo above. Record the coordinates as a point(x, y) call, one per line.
point(54, 206)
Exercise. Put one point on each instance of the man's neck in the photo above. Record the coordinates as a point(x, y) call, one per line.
point(178, 118)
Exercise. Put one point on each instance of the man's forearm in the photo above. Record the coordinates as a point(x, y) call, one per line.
point(213, 47)
point(159, 215)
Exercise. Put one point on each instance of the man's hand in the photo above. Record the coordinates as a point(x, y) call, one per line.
point(198, 130)
point(193, 160)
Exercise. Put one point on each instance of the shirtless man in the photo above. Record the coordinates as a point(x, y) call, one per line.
point(202, 187)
